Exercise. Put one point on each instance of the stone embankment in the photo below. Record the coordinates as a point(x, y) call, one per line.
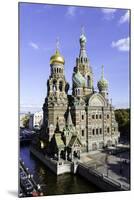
point(101, 181)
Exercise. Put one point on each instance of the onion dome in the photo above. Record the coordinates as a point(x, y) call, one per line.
point(83, 38)
point(57, 58)
point(78, 79)
point(102, 83)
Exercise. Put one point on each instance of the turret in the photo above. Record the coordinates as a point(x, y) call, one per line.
point(103, 84)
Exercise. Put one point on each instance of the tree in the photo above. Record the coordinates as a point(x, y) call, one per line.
point(123, 118)
point(25, 120)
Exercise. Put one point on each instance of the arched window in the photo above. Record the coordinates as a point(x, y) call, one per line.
point(57, 70)
point(78, 92)
point(54, 85)
point(60, 86)
point(82, 133)
point(88, 81)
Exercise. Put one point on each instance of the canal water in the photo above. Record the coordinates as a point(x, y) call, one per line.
point(52, 184)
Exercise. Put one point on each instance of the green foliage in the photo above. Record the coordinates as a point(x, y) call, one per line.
point(123, 118)
point(26, 121)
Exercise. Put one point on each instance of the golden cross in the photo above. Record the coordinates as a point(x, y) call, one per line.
point(82, 30)
point(57, 43)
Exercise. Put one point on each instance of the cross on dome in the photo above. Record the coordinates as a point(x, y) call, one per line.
point(57, 43)
point(82, 30)
point(102, 72)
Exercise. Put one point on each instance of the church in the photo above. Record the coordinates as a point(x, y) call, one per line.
point(79, 122)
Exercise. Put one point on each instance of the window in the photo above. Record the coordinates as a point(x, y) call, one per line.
point(100, 116)
point(54, 86)
point(60, 86)
point(96, 116)
point(82, 132)
point(88, 81)
point(97, 131)
point(93, 116)
point(78, 92)
point(108, 129)
point(100, 130)
point(93, 131)
point(107, 116)
point(82, 116)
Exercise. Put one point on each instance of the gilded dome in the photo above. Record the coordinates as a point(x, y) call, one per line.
point(78, 80)
point(57, 58)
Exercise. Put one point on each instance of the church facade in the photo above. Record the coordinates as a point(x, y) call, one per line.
point(82, 121)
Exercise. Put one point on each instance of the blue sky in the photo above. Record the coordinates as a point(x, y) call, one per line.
point(107, 32)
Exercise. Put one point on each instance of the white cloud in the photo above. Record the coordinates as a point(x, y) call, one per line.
point(124, 18)
point(33, 45)
point(108, 10)
point(121, 45)
point(108, 13)
point(71, 11)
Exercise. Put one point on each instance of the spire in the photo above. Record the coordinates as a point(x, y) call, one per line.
point(69, 118)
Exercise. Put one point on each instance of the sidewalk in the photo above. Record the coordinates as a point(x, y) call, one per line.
point(112, 166)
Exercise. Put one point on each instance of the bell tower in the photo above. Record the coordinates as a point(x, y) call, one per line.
point(56, 101)
point(83, 67)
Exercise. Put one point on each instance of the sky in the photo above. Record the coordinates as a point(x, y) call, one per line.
point(108, 44)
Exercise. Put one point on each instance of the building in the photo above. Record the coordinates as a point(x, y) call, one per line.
point(35, 120)
point(80, 122)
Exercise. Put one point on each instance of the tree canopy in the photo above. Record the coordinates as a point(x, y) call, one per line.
point(123, 118)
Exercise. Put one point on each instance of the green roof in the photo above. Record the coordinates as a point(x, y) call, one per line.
point(59, 141)
point(73, 139)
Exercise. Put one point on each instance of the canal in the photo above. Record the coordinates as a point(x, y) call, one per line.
point(52, 184)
